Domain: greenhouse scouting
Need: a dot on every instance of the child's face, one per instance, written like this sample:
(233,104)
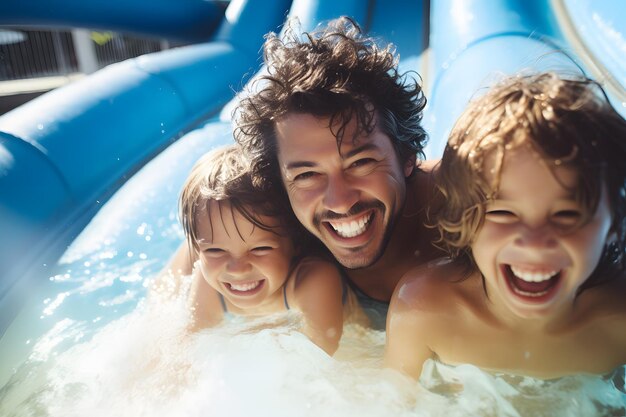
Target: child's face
(245,263)
(532,260)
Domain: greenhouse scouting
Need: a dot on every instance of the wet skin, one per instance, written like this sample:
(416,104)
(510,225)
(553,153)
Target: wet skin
(348,197)
(532,257)
(246,264)
(533,254)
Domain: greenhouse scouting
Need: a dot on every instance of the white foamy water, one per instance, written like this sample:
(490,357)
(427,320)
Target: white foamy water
(145,364)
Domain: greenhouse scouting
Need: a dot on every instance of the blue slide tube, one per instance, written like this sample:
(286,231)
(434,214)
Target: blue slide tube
(185,20)
(475,42)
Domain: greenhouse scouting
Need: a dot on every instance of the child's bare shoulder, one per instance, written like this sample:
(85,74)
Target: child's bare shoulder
(433,286)
(311,268)
(315,272)
(606,302)
(601,311)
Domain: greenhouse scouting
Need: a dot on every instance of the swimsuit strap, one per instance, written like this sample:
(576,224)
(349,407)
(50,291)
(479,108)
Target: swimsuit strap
(344,289)
(285,297)
(376,310)
(223,303)
(361,294)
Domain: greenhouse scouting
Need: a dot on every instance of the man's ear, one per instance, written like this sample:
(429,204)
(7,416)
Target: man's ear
(409,165)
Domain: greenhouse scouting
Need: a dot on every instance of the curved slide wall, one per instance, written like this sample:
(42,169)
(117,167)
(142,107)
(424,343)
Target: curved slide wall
(64,154)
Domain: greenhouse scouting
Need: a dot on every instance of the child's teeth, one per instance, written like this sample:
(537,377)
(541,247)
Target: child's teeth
(533,276)
(245,287)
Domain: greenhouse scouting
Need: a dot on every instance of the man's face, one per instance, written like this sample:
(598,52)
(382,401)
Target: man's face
(349,198)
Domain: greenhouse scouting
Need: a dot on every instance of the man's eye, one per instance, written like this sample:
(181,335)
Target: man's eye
(304,176)
(362,162)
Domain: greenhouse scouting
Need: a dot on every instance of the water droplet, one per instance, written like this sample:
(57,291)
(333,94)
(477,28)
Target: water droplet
(129,254)
(142,228)
(39,126)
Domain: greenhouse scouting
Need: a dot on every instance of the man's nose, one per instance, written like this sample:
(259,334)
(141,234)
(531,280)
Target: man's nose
(238,265)
(340,195)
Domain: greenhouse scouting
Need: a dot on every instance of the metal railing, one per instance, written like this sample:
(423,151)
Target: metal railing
(28,53)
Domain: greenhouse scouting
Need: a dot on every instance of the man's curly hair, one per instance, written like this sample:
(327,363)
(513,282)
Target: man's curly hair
(333,72)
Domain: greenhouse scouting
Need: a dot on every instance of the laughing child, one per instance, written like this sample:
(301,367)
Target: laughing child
(534,181)
(249,253)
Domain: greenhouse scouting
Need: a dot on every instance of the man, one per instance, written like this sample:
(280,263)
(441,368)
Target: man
(336,128)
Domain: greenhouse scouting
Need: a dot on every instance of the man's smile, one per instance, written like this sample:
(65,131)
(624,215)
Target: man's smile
(349,228)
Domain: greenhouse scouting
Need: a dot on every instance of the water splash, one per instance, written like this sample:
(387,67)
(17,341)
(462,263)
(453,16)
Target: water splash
(145,364)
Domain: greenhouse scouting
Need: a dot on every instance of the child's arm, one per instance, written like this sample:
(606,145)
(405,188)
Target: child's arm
(204,303)
(318,293)
(182,262)
(407,348)
(168,281)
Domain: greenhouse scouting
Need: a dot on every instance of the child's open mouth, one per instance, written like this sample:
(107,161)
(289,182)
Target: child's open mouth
(531,284)
(245,288)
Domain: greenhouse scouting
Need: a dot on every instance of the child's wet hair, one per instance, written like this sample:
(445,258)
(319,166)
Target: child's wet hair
(567,121)
(223,175)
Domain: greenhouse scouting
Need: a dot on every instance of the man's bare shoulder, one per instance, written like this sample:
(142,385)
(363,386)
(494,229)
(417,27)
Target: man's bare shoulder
(429,165)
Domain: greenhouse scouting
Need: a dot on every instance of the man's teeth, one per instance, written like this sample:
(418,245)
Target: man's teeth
(533,276)
(245,287)
(352,228)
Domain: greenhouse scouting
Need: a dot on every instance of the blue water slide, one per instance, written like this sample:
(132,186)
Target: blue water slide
(186,20)
(474,42)
(64,154)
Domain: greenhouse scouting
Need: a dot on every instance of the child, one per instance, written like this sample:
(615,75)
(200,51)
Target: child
(248,261)
(533,178)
